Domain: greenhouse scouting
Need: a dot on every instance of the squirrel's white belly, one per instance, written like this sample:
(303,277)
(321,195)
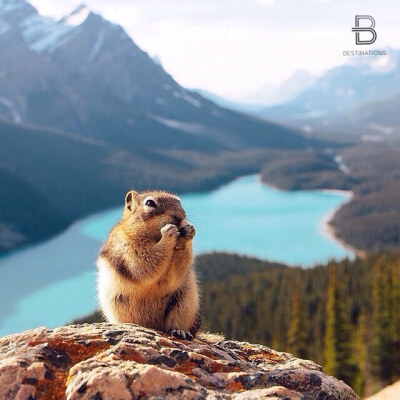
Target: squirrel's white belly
(106,288)
(111,287)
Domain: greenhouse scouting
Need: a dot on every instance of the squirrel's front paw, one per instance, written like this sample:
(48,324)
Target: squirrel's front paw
(187,231)
(170,231)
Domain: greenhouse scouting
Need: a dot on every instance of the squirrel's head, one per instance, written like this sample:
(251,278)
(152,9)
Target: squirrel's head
(155,209)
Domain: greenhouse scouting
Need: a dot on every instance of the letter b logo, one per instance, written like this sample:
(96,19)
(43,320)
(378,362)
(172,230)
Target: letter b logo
(358,30)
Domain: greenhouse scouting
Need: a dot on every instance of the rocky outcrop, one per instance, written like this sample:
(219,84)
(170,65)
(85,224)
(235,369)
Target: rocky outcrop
(121,362)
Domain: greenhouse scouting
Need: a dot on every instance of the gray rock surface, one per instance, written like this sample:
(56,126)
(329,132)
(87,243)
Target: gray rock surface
(121,362)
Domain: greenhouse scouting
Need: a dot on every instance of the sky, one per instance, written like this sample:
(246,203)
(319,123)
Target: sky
(233,47)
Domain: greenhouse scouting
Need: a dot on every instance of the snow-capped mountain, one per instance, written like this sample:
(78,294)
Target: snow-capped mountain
(44,35)
(86,114)
(84,74)
(342,89)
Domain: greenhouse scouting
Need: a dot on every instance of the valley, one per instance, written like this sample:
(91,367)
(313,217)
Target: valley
(78,134)
(81,133)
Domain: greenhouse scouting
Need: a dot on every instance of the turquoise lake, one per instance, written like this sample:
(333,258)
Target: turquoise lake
(53,282)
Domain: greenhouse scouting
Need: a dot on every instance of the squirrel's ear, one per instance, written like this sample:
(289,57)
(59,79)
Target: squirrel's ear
(129,199)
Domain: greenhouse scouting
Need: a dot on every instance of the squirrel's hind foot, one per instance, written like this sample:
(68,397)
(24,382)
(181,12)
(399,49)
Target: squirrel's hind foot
(181,334)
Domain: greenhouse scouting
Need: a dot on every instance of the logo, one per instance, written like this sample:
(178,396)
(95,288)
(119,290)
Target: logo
(366,31)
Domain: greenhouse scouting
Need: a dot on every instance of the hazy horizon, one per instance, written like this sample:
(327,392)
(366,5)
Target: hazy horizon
(235,47)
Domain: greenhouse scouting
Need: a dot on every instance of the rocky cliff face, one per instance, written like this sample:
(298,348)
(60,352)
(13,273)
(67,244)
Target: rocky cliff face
(118,362)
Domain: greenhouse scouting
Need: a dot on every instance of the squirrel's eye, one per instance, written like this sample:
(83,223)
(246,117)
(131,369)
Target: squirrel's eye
(151,203)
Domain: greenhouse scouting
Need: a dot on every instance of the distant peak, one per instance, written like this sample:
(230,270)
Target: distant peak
(82,8)
(7,6)
(156,59)
(77,16)
(12,3)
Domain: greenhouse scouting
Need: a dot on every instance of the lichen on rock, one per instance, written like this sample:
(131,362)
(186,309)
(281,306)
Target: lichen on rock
(126,361)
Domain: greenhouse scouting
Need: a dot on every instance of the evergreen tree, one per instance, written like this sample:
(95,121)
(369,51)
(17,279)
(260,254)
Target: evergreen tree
(382,344)
(337,344)
(296,342)
(361,352)
(395,315)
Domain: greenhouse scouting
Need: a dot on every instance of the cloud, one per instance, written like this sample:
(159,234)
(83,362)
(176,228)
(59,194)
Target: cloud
(264,2)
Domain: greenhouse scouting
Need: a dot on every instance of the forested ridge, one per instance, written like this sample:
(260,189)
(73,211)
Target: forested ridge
(371,171)
(343,315)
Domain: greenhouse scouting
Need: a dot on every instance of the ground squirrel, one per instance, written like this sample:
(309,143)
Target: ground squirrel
(145,267)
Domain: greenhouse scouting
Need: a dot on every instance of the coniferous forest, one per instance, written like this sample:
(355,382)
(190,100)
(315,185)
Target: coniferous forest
(344,315)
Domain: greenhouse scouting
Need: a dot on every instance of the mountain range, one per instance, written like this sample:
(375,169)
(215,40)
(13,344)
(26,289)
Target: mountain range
(86,114)
(254,102)
(84,74)
(270,94)
(359,97)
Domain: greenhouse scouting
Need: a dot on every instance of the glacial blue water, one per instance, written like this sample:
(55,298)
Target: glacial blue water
(53,282)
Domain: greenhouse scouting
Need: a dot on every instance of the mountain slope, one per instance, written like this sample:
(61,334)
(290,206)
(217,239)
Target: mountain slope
(25,214)
(232,105)
(375,121)
(342,89)
(49,178)
(87,76)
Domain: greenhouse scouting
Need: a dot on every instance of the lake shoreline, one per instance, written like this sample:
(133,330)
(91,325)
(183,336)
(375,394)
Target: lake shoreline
(326,228)
(210,185)
(329,230)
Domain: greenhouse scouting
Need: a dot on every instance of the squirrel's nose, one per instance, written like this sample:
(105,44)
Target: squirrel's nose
(177,220)
(179,217)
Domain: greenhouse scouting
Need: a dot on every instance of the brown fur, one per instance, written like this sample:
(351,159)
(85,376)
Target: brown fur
(146,273)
